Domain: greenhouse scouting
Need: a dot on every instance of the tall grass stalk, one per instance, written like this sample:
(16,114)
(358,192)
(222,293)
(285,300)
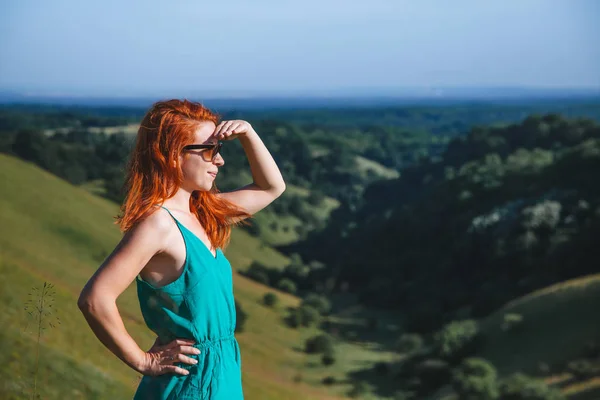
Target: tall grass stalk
(39,307)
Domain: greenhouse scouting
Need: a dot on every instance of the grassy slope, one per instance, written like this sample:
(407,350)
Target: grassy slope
(558,322)
(55,232)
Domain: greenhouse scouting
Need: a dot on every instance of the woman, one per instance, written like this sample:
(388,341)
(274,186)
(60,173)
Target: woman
(176,224)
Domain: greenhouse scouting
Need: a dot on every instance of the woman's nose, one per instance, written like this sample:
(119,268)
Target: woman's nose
(219,160)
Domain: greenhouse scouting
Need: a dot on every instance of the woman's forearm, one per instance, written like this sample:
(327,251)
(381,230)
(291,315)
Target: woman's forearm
(105,320)
(265,172)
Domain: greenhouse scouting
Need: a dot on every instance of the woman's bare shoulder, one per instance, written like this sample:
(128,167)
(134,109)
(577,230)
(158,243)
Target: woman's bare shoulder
(156,222)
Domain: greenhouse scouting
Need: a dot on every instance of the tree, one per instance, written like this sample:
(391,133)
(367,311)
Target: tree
(319,302)
(409,343)
(319,344)
(286,285)
(457,340)
(270,299)
(475,379)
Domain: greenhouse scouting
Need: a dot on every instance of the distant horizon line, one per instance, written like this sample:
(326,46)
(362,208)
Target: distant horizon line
(345,92)
(346,98)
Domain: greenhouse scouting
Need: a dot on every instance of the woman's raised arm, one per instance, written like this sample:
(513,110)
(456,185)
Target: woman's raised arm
(268,182)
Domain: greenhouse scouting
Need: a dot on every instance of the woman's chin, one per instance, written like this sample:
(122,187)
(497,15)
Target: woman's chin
(206,187)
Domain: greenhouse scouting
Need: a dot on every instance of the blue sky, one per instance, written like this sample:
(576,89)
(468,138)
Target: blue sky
(137,48)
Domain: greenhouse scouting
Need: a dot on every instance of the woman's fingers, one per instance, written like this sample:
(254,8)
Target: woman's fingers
(233,127)
(228,128)
(223,126)
(180,342)
(188,350)
(176,369)
(184,359)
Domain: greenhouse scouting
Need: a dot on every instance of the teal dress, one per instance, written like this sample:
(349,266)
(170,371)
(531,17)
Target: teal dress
(198,305)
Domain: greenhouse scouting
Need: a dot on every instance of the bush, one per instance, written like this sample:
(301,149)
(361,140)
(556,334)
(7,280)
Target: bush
(294,319)
(328,358)
(382,368)
(409,343)
(522,387)
(308,315)
(358,389)
(511,322)
(476,379)
(241,317)
(286,285)
(328,380)
(457,340)
(253,228)
(258,272)
(319,344)
(320,303)
(270,299)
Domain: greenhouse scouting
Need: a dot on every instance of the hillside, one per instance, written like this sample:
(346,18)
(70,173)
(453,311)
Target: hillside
(55,232)
(559,321)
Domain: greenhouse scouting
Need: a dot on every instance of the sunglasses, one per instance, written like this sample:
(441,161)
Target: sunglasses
(216,148)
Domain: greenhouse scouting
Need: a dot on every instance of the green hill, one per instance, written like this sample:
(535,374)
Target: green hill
(58,233)
(558,323)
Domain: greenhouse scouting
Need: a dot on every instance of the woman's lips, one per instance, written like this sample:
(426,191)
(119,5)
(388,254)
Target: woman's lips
(213,174)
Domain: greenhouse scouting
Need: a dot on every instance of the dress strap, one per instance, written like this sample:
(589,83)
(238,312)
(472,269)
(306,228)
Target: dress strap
(169,213)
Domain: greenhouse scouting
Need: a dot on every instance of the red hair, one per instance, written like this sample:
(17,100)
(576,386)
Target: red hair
(153,173)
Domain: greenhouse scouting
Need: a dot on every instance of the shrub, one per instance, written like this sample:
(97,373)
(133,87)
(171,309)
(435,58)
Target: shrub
(320,303)
(241,317)
(258,272)
(457,340)
(476,379)
(359,388)
(286,285)
(522,387)
(270,299)
(253,229)
(409,343)
(328,380)
(511,322)
(328,358)
(319,344)
(308,315)
(296,272)
(294,319)
(382,368)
